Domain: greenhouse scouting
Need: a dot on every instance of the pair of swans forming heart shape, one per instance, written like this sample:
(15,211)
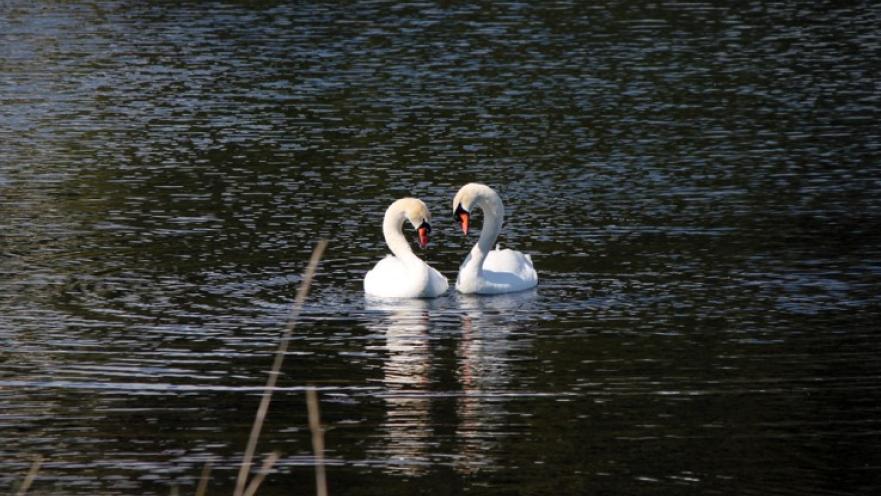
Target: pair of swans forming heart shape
(484,271)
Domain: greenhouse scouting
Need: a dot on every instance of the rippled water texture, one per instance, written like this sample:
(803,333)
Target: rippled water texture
(697,185)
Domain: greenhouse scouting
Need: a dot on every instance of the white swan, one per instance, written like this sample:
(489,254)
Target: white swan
(488,271)
(404,275)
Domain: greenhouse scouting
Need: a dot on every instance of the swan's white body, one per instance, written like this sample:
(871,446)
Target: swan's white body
(486,270)
(403,275)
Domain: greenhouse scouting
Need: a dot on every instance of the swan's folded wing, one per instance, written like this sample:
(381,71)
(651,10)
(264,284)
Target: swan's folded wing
(391,278)
(384,277)
(438,284)
(507,270)
(512,261)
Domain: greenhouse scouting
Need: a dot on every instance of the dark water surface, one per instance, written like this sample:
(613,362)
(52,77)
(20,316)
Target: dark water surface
(698,186)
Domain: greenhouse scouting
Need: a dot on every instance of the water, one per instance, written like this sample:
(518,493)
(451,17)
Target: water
(696,184)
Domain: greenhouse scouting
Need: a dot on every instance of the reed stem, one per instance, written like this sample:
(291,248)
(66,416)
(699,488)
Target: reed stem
(317,441)
(260,417)
(203,480)
(261,474)
(31,475)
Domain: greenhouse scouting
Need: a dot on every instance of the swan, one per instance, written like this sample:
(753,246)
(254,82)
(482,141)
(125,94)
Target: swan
(488,271)
(404,275)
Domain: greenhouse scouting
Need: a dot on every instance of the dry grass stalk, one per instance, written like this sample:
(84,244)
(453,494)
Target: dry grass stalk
(203,480)
(29,478)
(302,292)
(317,441)
(264,470)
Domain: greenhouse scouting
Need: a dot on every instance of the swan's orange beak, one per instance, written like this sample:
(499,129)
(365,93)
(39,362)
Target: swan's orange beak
(463,218)
(423,231)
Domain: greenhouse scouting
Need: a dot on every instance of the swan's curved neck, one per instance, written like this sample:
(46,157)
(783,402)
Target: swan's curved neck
(392,230)
(493,216)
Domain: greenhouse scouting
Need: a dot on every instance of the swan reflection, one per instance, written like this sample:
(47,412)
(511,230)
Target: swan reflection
(484,373)
(482,329)
(406,432)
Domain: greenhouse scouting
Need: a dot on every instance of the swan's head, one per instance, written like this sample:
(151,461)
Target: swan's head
(418,215)
(464,202)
